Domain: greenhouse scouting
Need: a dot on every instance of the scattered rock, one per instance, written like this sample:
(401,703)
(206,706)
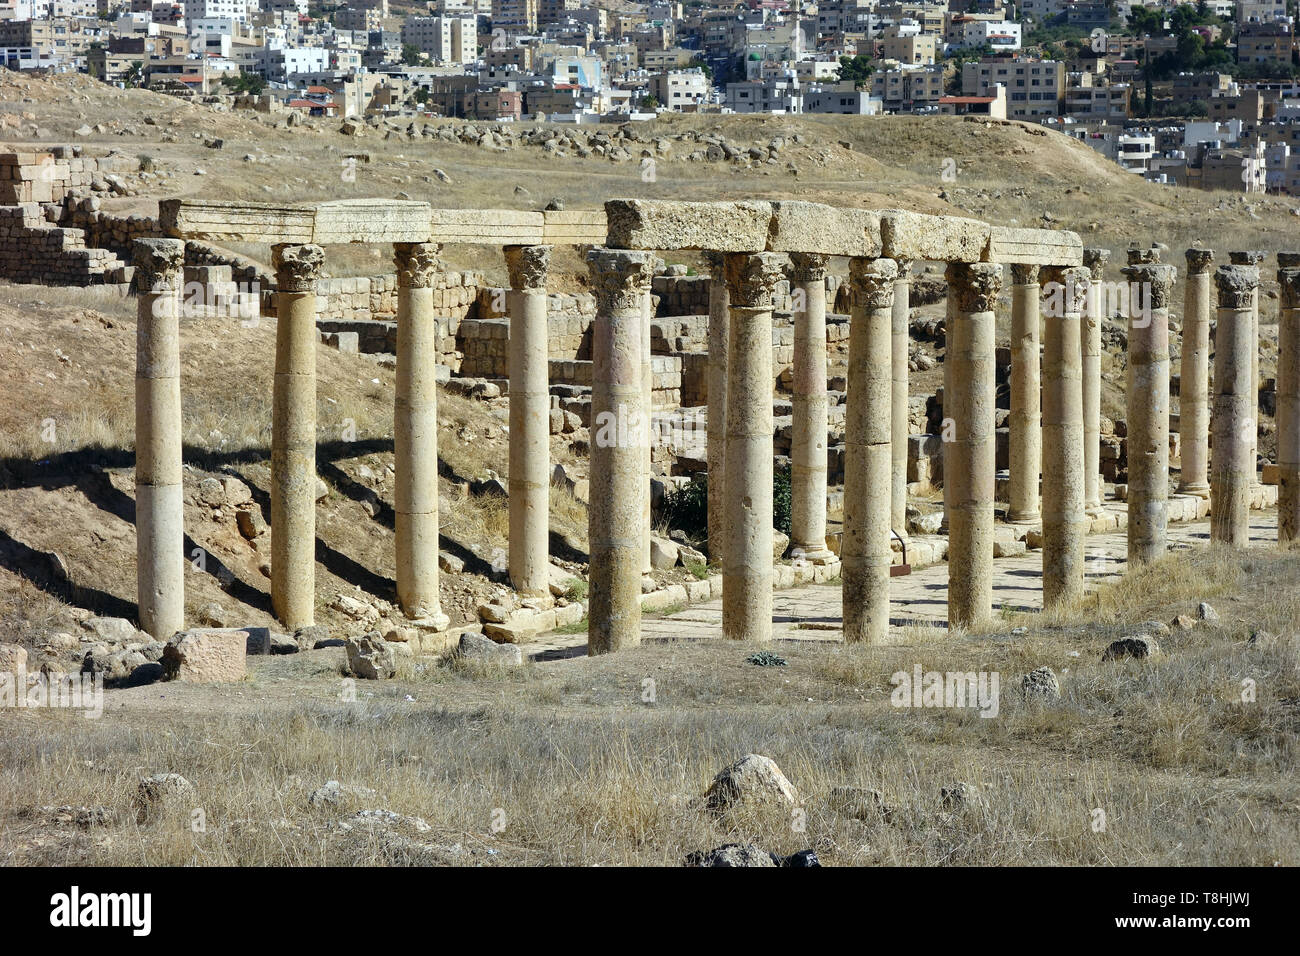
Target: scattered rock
(163,795)
(733,854)
(334,793)
(1040,684)
(663,554)
(477,647)
(206,655)
(1143,645)
(754,779)
(1183,622)
(1206,613)
(860,803)
(371,657)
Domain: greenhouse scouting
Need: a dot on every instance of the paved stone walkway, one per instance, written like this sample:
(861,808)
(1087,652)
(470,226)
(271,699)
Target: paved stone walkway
(812,612)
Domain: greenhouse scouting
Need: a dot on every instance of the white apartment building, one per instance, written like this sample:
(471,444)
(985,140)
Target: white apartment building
(237,10)
(446,40)
(680,89)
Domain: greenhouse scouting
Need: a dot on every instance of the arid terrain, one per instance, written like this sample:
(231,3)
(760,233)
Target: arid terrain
(565,760)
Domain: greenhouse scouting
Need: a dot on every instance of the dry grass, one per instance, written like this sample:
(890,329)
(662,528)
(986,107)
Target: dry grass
(564,763)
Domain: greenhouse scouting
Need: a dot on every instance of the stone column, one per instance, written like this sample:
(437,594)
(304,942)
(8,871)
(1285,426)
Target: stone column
(972,452)
(809,418)
(415,434)
(1252,258)
(620,281)
(1194,377)
(1026,426)
(1288,398)
(868,456)
(1095,261)
(1232,466)
(293,435)
(647,402)
(1064,523)
(747,564)
(950,310)
(900,348)
(1148,411)
(530,410)
(159,508)
(716,453)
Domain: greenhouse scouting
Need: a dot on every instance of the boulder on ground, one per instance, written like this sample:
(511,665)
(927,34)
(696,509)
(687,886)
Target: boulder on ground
(163,795)
(206,655)
(477,647)
(1040,684)
(371,657)
(1141,645)
(754,779)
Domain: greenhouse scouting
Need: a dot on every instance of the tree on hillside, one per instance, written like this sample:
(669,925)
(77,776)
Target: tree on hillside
(856,68)
(411,55)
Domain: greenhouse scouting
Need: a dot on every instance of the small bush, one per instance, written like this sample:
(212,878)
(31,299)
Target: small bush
(146,163)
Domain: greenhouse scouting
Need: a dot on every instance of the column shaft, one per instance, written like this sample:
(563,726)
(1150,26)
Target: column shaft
(716,436)
(1233,422)
(620,281)
(647,402)
(1194,378)
(1025,421)
(415,434)
(972,450)
(1094,260)
(1288,399)
(868,459)
(900,346)
(809,412)
(530,408)
(1064,522)
(159,508)
(293,436)
(1148,411)
(747,564)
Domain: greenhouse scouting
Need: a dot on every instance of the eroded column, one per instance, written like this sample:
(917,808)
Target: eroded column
(1288,398)
(716,435)
(530,409)
(415,434)
(1148,410)
(868,458)
(1024,444)
(1253,258)
(1232,466)
(1095,261)
(900,348)
(809,412)
(1194,377)
(972,452)
(620,281)
(647,402)
(293,435)
(1064,521)
(159,507)
(747,564)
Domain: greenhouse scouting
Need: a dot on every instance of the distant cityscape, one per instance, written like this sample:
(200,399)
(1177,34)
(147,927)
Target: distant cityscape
(1201,94)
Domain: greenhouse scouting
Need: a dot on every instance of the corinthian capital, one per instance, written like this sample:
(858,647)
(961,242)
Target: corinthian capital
(297,267)
(528,266)
(1237,286)
(752,278)
(872,282)
(417,264)
(1198,260)
(158,264)
(975,284)
(808,266)
(619,280)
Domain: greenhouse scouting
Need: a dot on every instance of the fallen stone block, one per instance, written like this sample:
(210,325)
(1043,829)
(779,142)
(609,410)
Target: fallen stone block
(206,655)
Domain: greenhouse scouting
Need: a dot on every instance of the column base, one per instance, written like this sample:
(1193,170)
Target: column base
(1023,517)
(1095,510)
(429,620)
(1197,490)
(810,555)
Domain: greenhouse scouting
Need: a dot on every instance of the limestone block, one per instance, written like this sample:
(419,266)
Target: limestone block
(504,227)
(565,227)
(912,236)
(371,220)
(665,225)
(206,655)
(271,223)
(1046,247)
(829,230)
